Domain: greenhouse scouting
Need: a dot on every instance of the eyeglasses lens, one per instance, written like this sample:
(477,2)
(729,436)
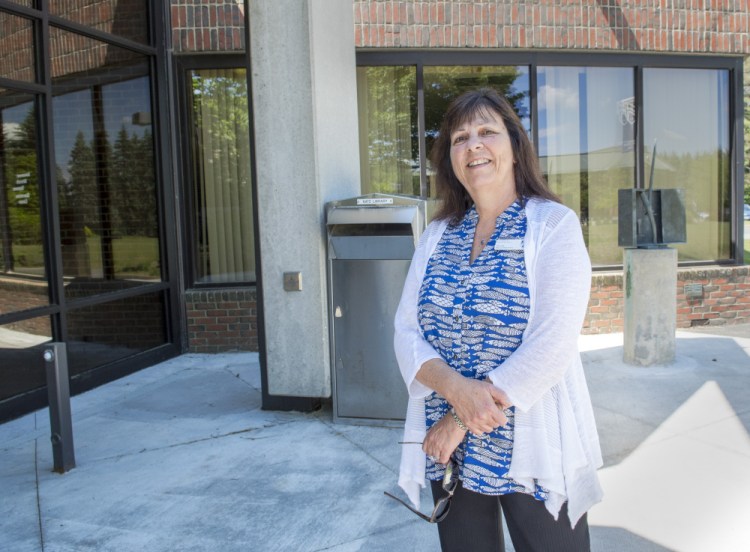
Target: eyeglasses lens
(450,482)
(442,508)
(443,505)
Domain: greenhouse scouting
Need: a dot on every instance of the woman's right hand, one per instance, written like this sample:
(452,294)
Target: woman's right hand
(479,405)
(442,439)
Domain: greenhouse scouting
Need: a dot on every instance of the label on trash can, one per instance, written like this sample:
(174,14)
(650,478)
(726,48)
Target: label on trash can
(374,201)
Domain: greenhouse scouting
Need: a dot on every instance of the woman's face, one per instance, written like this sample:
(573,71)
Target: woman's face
(482,155)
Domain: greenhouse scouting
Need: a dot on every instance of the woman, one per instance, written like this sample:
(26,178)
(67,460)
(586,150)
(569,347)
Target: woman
(486,340)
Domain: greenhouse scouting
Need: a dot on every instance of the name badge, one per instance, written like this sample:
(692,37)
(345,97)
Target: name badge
(509,245)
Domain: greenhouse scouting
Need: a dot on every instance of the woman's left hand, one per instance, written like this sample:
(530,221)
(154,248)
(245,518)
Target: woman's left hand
(442,439)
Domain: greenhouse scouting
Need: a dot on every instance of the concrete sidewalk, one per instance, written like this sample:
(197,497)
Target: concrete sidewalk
(180,457)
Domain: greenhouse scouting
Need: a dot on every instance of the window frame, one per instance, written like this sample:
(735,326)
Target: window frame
(60,307)
(43,93)
(533,59)
(182,64)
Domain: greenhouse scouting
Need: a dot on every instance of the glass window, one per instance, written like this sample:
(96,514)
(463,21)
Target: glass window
(586,146)
(388,122)
(123,18)
(586,139)
(686,116)
(111,331)
(388,130)
(21,361)
(23,284)
(105,170)
(222,192)
(443,84)
(17,48)
(98,203)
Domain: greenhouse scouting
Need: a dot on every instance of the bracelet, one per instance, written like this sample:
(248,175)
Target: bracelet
(459,423)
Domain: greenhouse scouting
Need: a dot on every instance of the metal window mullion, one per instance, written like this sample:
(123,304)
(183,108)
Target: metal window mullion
(127,293)
(49,192)
(568,58)
(102,36)
(424,188)
(737,152)
(639,128)
(166,169)
(252,173)
(534,105)
(28,314)
(18,9)
(19,86)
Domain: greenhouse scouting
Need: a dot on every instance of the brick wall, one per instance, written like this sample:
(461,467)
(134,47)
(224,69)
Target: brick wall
(706,26)
(725,297)
(724,300)
(222,320)
(226,320)
(605,304)
(208,26)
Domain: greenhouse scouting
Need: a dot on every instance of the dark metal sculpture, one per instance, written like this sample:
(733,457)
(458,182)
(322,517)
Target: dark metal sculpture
(649,218)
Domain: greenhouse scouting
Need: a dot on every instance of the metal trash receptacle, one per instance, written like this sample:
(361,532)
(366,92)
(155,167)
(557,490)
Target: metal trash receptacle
(371,240)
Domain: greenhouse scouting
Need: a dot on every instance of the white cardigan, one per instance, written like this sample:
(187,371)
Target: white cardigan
(555,441)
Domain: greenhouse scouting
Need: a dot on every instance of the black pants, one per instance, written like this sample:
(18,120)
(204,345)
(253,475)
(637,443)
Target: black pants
(474,523)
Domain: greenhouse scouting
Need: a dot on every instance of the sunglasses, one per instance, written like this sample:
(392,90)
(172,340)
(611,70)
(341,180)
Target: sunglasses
(443,505)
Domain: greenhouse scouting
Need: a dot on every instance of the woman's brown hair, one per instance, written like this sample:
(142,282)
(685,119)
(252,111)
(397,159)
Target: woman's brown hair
(528,176)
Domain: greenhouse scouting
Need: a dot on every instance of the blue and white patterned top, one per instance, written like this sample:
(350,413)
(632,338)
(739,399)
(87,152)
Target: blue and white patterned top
(474,315)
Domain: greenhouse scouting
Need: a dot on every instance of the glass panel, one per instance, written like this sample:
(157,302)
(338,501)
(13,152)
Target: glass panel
(686,115)
(124,18)
(105,170)
(21,361)
(586,147)
(107,332)
(75,56)
(17,49)
(23,284)
(389,148)
(746,207)
(443,84)
(222,187)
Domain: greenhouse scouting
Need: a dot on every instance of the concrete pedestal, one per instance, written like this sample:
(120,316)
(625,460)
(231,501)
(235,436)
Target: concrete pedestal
(650,283)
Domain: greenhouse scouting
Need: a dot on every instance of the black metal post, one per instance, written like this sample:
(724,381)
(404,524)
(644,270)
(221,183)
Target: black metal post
(58,390)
